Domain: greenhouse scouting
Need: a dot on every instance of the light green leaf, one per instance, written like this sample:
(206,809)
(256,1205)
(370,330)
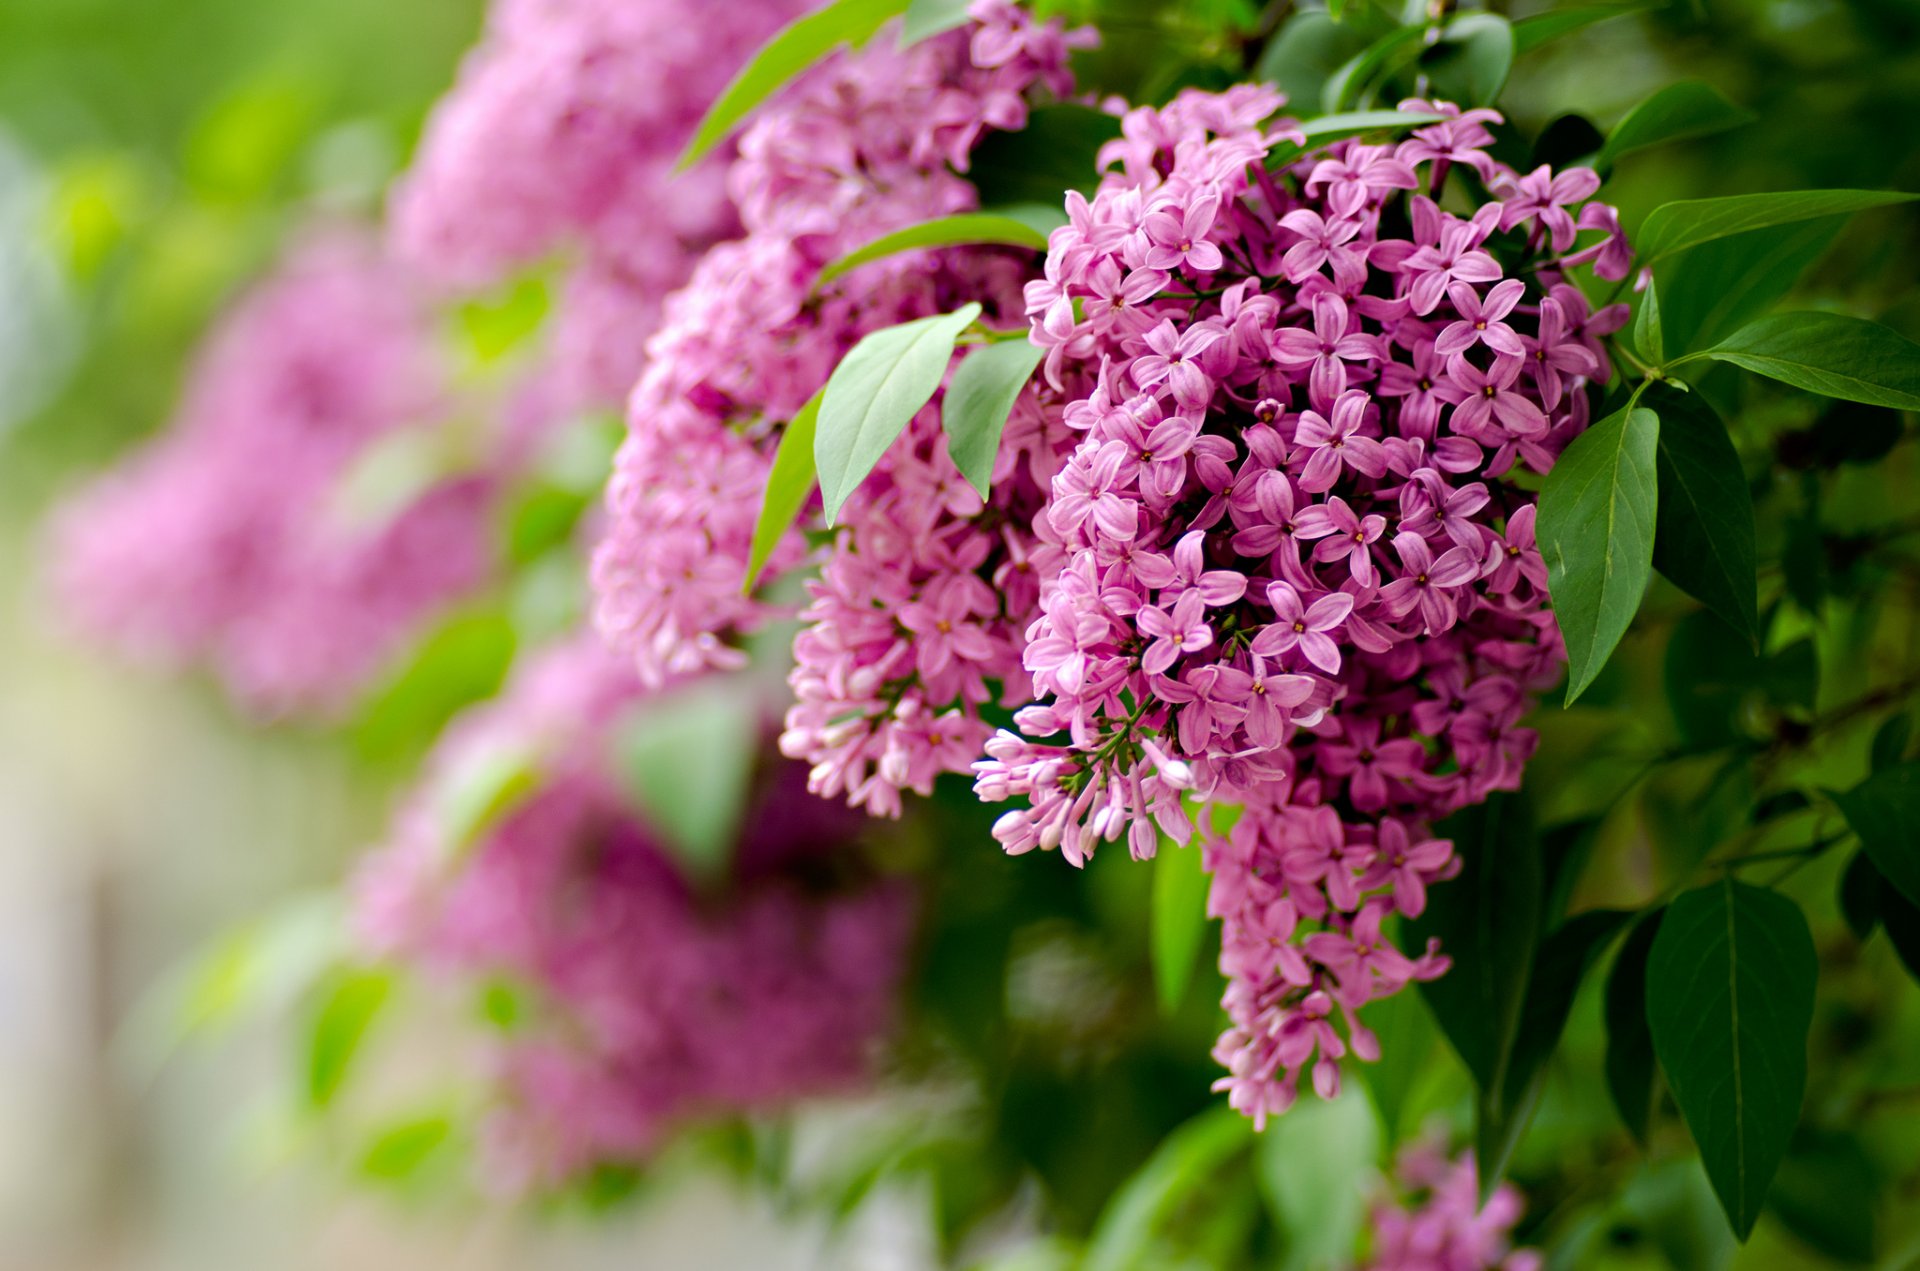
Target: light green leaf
(1678,111)
(946,231)
(1730,984)
(1647,337)
(1531,32)
(1306,50)
(1828,353)
(1884,810)
(482,786)
(1703,538)
(1328,129)
(793,49)
(1347,85)
(1674,227)
(928,18)
(345,1015)
(688,760)
(1186,1162)
(1472,59)
(399,1151)
(979,399)
(879,386)
(1179,921)
(789,482)
(1318,1167)
(1041,218)
(1596,528)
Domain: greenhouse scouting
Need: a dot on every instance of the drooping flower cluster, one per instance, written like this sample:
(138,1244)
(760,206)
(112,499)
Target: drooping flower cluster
(1436,1221)
(311,508)
(562,133)
(653,1001)
(1296,564)
(905,619)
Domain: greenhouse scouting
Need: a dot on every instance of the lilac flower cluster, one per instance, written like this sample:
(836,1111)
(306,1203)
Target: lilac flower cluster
(562,133)
(1436,1222)
(228,540)
(1294,567)
(652,1002)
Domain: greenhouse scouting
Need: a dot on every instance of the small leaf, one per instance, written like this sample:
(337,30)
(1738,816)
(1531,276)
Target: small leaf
(688,759)
(1328,129)
(1884,810)
(789,482)
(1647,337)
(1729,1003)
(1678,111)
(346,1012)
(399,1151)
(1056,152)
(1703,539)
(966,229)
(1861,888)
(1831,354)
(1472,59)
(1596,526)
(1631,1074)
(1890,742)
(1317,1166)
(1179,921)
(928,18)
(1531,32)
(979,399)
(879,386)
(793,49)
(1712,290)
(1674,227)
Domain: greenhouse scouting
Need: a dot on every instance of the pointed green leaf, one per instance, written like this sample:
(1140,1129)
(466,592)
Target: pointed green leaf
(1346,86)
(1179,921)
(347,1011)
(1647,337)
(1703,539)
(1631,1074)
(1470,62)
(789,482)
(1890,741)
(979,399)
(793,49)
(687,757)
(880,385)
(1831,354)
(1729,1002)
(1678,111)
(1531,32)
(928,18)
(1595,530)
(968,228)
(1901,918)
(1308,48)
(1328,129)
(1712,290)
(1884,810)
(1674,227)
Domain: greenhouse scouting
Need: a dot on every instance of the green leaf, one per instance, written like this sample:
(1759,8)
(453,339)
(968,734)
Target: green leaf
(793,49)
(1529,33)
(1884,810)
(688,760)
(1826,1194)
(1901,918)
(1674,227)
(1678,111)
(483,785)
(879,386)
(1831,354)
(1317,1166)
(1346,85)
(1407,1036)
(979,399)
(1711,290)
(345,1014)
(1596,526)
(1472,59)
(1860,891)
(1057,151)
(1647,337)
(1185,1163)
(1179,921)
(1890,742)
(789,482)
(1308,48)
(1041,218)
(1630,1070)
(1703,539)
(1488,921)
(1729,1002)
(928,18)
(399,1151)
(1328,129)
(968,228)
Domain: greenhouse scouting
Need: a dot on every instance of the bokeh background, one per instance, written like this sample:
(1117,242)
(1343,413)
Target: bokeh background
(153,156)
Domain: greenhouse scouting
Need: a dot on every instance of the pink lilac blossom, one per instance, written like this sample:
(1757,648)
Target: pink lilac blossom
(655,1002)
(562,133)
(1290,566)
(225,540)
(920,603)
(1435,1221)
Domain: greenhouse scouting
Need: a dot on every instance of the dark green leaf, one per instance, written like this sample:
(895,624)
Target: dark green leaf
(1470,62)
(978,400)
(1901,918)
(345,1014)
(1317,1165)
(1054,153)
(1674,227)
(1346,86)
(1566,141)
(1710,291)
(1791,675)
(1860,890)
(1595,529)
(1826,1194)
(1711,673)
(1179,921)
(789,482)
(880,385)
(793,49)
(1631,1073)
(1407,1036)
(928,18)
(1488,921)
(688,758)
(1890,741)
(1531,32)
(1803,563)
(1884,810)
(1328,129)
(1647,337)
(1686,109)
(1703,538)
(965,229)
(1831,354)
(1729,1002)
